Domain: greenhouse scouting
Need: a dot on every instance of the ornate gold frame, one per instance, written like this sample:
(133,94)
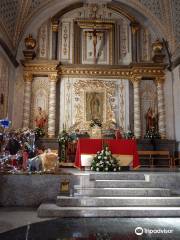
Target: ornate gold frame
(100,25)
(81,87)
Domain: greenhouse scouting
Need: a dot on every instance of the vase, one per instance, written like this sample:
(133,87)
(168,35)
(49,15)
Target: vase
(30,42)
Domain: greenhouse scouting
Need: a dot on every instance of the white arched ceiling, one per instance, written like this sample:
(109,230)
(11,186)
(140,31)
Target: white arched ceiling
(21,17)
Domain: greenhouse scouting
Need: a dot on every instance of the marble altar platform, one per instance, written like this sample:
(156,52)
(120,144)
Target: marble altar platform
(140,193)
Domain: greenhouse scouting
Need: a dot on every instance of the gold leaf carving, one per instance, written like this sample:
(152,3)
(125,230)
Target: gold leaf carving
(81,87)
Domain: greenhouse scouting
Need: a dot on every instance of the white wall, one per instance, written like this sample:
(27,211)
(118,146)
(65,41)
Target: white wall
(9,70)
(169,105)
(18,98)
(176,73)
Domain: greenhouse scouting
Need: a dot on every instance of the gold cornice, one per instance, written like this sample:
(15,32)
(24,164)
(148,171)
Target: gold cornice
(113,71)
(95,23)
(142,70)
(94,72)
(40,67)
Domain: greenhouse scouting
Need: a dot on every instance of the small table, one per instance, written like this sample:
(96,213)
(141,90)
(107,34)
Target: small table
(119,146)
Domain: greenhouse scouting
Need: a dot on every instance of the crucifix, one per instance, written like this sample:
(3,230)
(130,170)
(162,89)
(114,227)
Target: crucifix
(94,39)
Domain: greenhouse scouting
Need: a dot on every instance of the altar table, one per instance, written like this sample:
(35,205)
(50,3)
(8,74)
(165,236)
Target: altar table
(119,146)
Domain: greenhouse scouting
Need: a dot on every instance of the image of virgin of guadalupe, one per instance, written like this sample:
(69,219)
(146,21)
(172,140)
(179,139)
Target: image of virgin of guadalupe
(94,106)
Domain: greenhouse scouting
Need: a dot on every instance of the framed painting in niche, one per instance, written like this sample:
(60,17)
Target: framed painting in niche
(94,105)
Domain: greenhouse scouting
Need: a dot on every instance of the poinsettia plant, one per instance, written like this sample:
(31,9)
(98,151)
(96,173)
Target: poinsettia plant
(105,162)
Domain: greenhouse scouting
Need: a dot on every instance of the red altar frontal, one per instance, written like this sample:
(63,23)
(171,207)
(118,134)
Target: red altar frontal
(120,146)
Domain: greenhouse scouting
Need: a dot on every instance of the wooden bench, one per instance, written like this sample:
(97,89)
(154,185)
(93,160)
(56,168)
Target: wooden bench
(153,156)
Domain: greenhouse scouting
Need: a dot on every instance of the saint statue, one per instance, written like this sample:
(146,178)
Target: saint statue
(151,119)
(40,118)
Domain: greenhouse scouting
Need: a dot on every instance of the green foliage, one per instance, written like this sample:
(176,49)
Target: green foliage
(129,135)
(152,133)
(39,132)
(64,138)
(105,162)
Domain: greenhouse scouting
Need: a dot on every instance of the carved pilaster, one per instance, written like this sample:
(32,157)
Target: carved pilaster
(27,99)
(52,104)
(135,27)
(161,108)
(55,29)
(137,122)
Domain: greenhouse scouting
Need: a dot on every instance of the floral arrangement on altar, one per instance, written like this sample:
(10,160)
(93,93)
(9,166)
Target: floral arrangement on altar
(95,122)
(39,132)
(63,140)
(129,135)
(152,133)
(64,137)
(105,162)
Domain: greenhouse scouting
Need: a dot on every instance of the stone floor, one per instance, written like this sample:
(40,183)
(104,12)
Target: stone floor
(14,217)
(23,224)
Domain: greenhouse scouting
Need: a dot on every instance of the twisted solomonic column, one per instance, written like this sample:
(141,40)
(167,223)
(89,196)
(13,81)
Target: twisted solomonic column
(52,105)
(161,109)
(137,122)
(27,99)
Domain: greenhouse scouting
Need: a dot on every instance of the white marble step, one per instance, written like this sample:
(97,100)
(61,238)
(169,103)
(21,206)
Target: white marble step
(117,176)
(52,210)
(122,183)
(121,191)
(65,201)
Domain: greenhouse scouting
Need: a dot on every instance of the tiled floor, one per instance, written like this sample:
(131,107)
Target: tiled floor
(83,228)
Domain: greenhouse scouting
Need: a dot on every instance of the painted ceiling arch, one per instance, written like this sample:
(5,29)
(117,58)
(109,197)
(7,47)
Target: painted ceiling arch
(17,17)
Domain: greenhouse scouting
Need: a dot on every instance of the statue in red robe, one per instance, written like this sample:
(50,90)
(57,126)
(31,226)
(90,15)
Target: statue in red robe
(41,118)
(150,119)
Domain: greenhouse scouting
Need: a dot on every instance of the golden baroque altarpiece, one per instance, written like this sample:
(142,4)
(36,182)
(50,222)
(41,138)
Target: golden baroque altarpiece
(94,58)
